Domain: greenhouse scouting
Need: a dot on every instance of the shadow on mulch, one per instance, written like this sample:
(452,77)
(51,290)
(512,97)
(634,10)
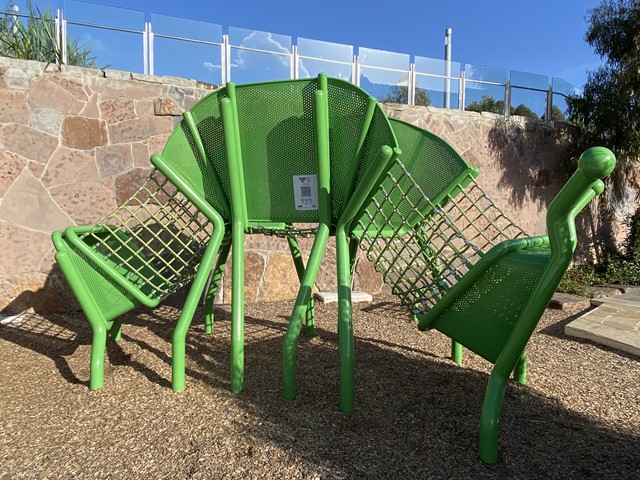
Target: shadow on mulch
(416,413)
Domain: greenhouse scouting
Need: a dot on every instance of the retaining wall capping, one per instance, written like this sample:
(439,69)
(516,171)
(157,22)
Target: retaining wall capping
(75,142)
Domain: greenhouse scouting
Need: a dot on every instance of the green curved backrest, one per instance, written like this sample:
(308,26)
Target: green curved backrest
(195,151)
(276,130)
(277,145)
(434,166)
(358,129)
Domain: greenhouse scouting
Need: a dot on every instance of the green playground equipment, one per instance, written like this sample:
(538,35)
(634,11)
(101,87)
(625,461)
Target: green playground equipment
(318,157)
(253,159)
(163,237)
(461,266)
(298,153)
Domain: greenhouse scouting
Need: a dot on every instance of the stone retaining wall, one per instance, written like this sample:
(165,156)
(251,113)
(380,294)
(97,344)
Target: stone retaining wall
(74,141)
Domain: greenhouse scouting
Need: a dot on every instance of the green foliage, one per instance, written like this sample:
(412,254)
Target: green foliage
(35,39)
(556,114)
(525,111)
(488,104)
(400,94)
(609,109)
(621,268)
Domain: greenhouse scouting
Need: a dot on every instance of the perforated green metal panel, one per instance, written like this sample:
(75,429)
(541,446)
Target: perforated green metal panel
(207,116)
(110,298)
(432,162)
(483,317)
(277,142)
(347,109)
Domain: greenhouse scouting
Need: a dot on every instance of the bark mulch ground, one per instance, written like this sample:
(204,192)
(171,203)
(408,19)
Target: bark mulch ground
(416,413)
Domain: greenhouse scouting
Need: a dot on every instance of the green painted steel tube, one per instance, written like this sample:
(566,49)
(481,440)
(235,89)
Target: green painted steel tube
(456,352)
(215,181)
(321,129)
(594,164)
(237,174)
(355,165)
(96,318)
(345,320)
(520,372)
(239,216)
(298,262)
(214,285)
(178,348)
(343,265)
(297,317)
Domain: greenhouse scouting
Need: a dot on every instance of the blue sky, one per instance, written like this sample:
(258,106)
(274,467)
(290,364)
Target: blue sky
(542,37)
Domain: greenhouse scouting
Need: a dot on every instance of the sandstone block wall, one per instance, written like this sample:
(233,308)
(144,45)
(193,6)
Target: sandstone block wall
(73,142)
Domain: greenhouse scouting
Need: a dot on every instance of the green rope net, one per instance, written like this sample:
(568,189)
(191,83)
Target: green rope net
(421,247)
(155,240)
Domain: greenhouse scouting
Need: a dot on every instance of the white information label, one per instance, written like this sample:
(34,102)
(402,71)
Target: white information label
(305,190)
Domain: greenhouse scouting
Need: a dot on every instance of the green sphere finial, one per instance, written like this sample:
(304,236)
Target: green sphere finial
(597,162)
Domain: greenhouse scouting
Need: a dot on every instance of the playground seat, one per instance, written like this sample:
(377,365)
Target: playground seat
(160,239)
(461,266)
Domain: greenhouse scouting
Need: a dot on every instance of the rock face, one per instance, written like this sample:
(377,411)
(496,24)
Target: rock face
(75,143)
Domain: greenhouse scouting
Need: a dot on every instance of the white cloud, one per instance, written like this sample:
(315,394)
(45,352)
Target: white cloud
(211,66)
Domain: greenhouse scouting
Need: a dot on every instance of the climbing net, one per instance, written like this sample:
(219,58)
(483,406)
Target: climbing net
(424,246)
(155,239)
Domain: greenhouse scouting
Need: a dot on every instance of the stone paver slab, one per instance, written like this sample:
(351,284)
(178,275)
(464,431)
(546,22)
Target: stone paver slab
(602,326)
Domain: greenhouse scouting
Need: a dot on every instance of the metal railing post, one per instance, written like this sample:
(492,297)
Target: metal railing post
(548,111)
(295,68)
(507,98)
(447,67)
(147,48)
(461,91)
(225,60)
(61,35)
(411,85)
(356,71)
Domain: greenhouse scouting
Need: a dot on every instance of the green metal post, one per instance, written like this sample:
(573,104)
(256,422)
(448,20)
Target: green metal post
(456,352)
(214,285)
(343,265)
(520,372)
(299,264)
(321,129)
(184,321)
(238,207)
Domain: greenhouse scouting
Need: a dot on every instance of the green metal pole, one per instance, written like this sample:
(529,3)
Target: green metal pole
(239,215)
(216,278)
(321,136)
(295,323)
(298,262)
(345,321)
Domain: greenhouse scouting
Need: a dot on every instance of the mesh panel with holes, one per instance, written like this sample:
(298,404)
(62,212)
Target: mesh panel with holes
(155,240)
(481,319)
(278,143)
(347,107)
(208,119)
(422,249)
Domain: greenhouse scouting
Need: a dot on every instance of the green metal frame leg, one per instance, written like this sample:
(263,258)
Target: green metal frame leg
(178,347)
(345,325)
(299,310)
(296,254)
(115,331)
(490,417)
(520,372)
(456,352)
(237,309)
(214,285)
(98,349)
